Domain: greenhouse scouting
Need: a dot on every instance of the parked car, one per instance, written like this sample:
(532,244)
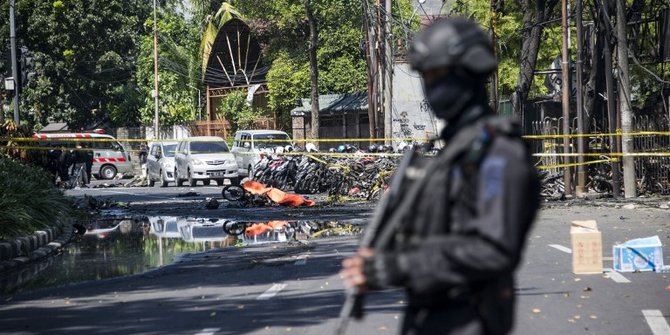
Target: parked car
(204,158)
(248,145)
(109,156)
(160,163)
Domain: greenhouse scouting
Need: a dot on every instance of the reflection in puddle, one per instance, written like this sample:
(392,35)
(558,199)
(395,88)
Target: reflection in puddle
(115,247)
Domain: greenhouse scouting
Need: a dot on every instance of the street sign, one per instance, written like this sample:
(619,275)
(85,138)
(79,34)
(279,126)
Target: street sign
(9,83)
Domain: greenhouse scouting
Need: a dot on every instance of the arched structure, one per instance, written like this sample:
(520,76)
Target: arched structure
(232,61)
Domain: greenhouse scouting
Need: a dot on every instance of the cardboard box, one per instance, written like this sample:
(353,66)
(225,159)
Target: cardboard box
(642,254)
(587,247)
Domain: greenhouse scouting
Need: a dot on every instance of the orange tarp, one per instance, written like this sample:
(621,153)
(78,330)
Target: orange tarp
(276,195)
(257,229)
(260,228)
(255,187)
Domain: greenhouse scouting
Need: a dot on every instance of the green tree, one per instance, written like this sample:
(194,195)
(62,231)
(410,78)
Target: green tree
(282,28)
(179,72)
(235,109)
(523,37)
(84,56)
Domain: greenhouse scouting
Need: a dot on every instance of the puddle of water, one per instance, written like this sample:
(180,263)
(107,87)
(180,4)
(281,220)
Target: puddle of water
(115,247)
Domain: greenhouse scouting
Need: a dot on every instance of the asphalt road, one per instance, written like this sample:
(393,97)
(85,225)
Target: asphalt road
(294,288)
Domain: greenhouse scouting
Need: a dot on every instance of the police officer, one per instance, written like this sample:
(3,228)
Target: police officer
(459,223)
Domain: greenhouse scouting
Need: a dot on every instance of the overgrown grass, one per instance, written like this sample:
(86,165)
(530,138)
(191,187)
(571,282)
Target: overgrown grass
(29,201)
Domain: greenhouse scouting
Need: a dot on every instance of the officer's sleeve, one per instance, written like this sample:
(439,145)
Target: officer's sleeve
(484,247)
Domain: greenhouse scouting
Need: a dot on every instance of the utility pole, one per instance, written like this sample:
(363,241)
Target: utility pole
(379,91)
(155,93)
(565,71)
(15,68)
(581,174)
(493,101)
(609,87)
(388,76)
(371,67)
(629,181)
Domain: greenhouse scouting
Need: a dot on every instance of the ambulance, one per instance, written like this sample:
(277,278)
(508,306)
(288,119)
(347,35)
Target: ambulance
(109,156)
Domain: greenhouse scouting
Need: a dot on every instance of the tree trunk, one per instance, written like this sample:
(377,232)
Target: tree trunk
(626,117)
(314,71)
(533,17)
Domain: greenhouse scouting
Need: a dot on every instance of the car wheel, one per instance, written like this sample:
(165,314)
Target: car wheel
(177,180)
(206,182)
(191,182)
(164,182)
(150,183)
(219,182)
(108,172)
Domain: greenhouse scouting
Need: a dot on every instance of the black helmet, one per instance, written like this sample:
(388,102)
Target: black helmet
(452,42)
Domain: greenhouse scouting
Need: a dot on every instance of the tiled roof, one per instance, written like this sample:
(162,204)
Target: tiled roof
(334,103)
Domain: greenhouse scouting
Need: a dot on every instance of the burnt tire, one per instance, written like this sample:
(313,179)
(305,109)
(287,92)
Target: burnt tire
(232,192)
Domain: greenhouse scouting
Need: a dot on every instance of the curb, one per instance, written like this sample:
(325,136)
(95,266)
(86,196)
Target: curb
(25,250)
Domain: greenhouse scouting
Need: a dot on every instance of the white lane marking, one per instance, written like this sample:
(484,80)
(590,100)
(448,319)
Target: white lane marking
(271,292)
(302,260)
(561,248)
(208,331)
(617,277)
(656,321)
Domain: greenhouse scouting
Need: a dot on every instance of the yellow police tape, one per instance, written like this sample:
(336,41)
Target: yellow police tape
(92,139)
(366,154)
(558,166)
(618,132)
(293,153)
(313,155)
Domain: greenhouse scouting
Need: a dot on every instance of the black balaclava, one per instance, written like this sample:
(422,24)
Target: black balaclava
(448,95)
(453,96)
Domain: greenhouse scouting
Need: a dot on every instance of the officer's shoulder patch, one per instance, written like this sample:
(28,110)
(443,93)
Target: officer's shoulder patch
(492,174)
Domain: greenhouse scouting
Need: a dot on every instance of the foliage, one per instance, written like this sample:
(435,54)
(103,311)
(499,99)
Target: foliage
(282,29)
(235,109)
(288,79)
(178,72)
(29,200)
(84,52)
(508,26)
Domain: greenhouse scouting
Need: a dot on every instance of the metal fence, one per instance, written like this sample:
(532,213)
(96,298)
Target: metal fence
(651,142)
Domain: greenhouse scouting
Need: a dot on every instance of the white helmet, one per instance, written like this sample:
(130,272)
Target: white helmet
(310,147)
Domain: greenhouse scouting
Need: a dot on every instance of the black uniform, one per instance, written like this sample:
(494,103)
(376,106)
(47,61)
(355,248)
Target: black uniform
(83,159)
(456,252)
(457,227)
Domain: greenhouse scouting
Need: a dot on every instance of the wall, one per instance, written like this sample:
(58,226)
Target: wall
(412,117)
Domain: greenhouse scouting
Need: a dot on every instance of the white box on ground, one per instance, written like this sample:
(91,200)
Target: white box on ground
(642,254)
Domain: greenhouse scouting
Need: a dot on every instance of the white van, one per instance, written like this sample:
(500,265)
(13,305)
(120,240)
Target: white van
(109,156)
(204,158)
(248,145)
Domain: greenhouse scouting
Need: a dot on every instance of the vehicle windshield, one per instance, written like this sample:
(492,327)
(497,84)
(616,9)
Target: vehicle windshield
(208,231)
(271,140)
(208,147)
(169,150)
